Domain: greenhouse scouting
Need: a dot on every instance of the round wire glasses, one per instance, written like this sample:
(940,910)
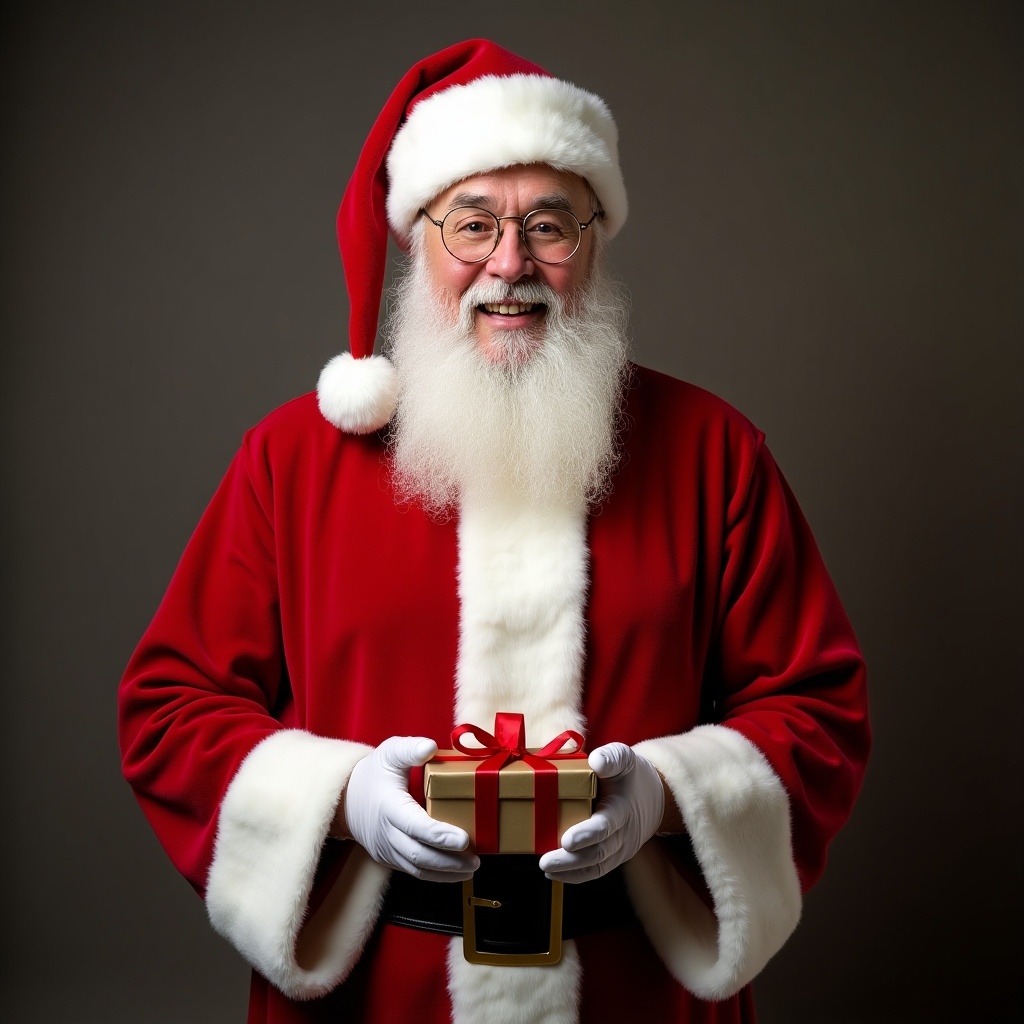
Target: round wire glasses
(550,236)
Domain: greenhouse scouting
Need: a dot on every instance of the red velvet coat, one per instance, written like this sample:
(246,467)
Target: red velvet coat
(311,617)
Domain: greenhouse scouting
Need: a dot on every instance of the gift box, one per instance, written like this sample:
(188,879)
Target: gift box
(508,797)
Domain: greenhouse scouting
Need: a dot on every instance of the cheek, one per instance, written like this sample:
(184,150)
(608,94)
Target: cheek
(452,277)
(454,287)
(569,279)
(569,284)
(449,281)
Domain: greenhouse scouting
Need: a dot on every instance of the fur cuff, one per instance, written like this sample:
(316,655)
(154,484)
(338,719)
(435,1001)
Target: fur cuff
(273,822)
(737,814)
(357,396)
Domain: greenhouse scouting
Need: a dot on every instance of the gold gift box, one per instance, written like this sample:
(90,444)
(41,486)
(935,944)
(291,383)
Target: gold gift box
(450,789)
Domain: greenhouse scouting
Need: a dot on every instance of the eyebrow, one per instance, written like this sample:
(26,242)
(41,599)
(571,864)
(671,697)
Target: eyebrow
(553,201)
(468,199)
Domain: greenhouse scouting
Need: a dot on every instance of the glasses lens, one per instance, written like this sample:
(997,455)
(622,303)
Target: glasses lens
(469,234)
(551,235)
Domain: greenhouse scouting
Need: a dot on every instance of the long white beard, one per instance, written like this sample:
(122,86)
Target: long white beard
(540,428)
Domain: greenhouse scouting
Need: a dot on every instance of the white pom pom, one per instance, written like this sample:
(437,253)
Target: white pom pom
(357,395)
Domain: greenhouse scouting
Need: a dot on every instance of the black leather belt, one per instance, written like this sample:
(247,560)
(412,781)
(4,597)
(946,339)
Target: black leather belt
(512,907)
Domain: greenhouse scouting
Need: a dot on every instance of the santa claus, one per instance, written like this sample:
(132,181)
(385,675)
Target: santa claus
(498,512)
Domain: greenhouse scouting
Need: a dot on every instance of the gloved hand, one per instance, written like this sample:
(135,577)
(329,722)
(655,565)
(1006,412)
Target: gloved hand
(629,813)
(393,829)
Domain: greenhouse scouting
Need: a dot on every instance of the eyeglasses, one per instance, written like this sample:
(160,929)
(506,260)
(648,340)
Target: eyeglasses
(550,236)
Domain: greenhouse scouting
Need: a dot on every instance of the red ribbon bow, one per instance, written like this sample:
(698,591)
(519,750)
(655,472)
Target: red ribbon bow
(506,745)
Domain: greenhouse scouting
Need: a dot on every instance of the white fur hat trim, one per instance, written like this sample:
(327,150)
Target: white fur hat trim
(502,121)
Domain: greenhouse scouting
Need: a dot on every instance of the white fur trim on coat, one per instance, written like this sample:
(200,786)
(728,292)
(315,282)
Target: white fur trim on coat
(502,121)
(273,823)
(514,995)
(357,395)
(737,814)
(522,589)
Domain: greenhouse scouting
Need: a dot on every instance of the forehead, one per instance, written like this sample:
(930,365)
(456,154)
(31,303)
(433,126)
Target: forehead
(524,188)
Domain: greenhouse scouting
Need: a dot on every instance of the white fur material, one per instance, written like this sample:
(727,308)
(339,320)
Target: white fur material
(495,122)
(357,395)
(514,995)
(273,823)
(737,814)
(523,578)
(522,590)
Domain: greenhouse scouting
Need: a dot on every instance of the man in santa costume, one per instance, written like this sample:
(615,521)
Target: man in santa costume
(500,514)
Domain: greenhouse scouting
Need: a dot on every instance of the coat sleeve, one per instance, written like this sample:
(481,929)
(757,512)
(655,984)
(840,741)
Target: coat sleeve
(764,789)
(242,804)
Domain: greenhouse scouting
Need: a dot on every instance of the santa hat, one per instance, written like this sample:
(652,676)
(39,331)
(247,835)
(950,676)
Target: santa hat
(472,108)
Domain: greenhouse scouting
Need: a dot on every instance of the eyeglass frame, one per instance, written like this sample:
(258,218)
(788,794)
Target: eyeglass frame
(521,232)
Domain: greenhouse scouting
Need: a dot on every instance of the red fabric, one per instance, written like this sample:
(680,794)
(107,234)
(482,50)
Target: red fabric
(362,224)
(371,994)
(307,599)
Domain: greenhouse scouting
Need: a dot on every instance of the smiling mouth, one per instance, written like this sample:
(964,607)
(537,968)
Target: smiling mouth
(511,308)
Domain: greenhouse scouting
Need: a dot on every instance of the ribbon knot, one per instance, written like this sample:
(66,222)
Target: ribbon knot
(505,745)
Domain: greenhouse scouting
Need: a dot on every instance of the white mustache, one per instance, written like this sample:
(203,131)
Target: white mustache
(498,291)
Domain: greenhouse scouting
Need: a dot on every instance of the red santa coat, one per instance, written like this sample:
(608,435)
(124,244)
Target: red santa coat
(311,617)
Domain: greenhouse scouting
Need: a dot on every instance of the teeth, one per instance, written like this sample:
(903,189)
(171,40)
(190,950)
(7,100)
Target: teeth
(508,309)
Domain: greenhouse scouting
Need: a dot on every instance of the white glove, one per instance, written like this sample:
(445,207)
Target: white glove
(630,811)
(393,829)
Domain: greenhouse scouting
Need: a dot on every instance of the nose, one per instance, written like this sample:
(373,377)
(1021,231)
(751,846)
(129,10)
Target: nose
(511,260)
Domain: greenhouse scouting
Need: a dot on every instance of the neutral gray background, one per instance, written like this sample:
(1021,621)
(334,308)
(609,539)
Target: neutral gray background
(826,229)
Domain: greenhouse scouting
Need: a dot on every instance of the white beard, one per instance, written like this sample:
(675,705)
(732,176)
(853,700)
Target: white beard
(539,428)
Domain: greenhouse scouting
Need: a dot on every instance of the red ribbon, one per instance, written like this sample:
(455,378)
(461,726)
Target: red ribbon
(508,744)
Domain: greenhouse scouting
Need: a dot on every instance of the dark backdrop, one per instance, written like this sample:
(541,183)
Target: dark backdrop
(826,229)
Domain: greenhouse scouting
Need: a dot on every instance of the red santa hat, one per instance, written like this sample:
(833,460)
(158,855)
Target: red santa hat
(472,108)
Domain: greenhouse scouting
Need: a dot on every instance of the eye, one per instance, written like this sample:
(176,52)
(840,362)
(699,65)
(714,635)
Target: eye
(550,226)
(470,223)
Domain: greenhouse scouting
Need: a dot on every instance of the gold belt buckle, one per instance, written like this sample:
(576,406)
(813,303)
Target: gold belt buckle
(470,903)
